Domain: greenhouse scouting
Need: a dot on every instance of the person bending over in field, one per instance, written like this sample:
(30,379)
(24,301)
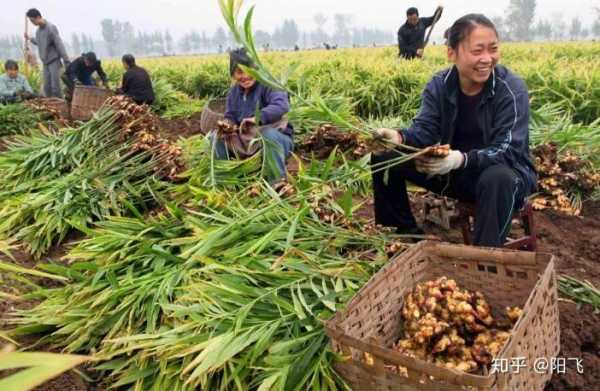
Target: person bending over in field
(81,71)
(136,82)
(481,109)
(245,100)
(14,87)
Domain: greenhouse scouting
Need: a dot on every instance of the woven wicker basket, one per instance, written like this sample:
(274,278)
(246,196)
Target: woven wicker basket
(87,100)
(371,322)
(212,112)
(60,105)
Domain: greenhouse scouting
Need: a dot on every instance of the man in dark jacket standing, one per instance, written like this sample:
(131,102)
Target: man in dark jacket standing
(51,50)
(81,71)
(136,82)
(411,35)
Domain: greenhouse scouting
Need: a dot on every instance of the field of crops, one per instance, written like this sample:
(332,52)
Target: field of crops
(179,272)
(381,86)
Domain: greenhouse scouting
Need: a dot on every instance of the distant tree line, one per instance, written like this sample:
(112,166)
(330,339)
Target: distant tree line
(289,36)
(337,30)
(519,25)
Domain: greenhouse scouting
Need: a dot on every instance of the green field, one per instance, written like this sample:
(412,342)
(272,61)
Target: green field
(215,280)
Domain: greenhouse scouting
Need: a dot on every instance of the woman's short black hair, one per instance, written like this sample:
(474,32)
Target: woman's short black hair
(33,13)
(129,60)
(463,27)
(239,57)
(412,11)
(12,65)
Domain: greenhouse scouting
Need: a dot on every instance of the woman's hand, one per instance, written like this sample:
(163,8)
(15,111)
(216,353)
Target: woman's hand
(248,123)
(440,166)
(390,135)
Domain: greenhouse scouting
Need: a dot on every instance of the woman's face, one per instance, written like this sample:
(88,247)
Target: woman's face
(243,79)
(476,55)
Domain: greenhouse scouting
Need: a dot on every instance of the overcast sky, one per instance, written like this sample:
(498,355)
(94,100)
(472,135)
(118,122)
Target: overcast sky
(181,16)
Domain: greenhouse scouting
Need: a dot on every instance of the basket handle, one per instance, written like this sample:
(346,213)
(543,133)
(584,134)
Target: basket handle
(486,254)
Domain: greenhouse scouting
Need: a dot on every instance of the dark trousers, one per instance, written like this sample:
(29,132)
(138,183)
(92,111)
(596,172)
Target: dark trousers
(497,192)
(87,80)
(407,54)
(4,100)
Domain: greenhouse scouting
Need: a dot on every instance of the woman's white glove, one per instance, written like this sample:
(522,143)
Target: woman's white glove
(390,135)
(440,166)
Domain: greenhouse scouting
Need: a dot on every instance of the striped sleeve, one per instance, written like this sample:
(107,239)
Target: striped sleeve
(510,128)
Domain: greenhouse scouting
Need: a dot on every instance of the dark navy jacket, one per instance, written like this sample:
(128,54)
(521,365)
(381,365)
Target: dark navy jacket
(503,116)
(411,38)
(78,70)
(137,85)
(272,104)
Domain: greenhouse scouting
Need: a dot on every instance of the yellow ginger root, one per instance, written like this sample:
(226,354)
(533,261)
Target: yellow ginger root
(513,313)
(451,327)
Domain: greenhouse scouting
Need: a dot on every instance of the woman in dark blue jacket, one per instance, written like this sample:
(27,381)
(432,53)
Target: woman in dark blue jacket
(481,109)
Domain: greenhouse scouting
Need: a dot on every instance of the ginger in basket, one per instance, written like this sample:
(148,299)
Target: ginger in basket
(513,313)
(451,327)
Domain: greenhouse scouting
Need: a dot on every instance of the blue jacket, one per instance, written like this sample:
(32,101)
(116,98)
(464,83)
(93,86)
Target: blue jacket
(272,104)
(9,86)
(503,115)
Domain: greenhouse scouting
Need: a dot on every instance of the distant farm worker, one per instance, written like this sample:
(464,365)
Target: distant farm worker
(411,35)
(481,109)
(136,82)
(246,98)
(81,71)
(51,51)
(14,87)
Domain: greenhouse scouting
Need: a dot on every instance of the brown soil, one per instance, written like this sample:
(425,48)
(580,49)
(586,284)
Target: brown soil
(574,240)
(174,129)
(580,338)
(68,381)
(327,138)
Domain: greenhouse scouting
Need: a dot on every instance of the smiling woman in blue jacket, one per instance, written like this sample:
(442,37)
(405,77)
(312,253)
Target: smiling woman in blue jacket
(481,109)
(245,99)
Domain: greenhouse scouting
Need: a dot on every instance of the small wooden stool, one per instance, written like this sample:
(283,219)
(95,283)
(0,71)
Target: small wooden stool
(527,242)
(439,210)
